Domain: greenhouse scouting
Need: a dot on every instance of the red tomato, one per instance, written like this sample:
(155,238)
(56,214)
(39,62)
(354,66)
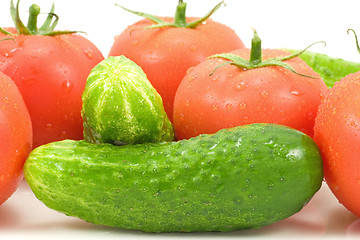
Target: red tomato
(51,73)
(166,53)
(15,135)
(235,96)
(337,133)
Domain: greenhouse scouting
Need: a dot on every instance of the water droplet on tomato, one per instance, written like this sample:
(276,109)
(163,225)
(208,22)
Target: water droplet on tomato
(310,80)
(6,99)
(89,53)
(296,93)
(135,42)
(240,86)
(67,86)
(352,123)
(63,134)
(310,116)
(11,52)
(229,75)
(334,110)
(242,106)
(189,70)
(216,78)
(49,126)
(193,77)
(182,117)
(264,94)
(229,106)
(215,106)
(7,55)
(193,48)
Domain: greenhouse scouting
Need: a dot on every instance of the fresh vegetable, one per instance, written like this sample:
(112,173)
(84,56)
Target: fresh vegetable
(330,69)
(166,47)
(226,91)
(244,177)
(15,135)
(121,106)
(337,133)
(50,69)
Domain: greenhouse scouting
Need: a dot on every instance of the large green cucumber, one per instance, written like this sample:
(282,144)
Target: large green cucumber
(120,106)
(244,177)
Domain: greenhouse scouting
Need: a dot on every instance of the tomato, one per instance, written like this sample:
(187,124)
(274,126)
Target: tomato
(213,96)
(15,135)
(166,53)
(337,133)
(50,72)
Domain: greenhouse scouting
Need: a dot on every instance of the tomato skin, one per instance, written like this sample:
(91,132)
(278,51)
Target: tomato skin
(51,73)
(166,53)
(15,135)
(233,96)
(337,133)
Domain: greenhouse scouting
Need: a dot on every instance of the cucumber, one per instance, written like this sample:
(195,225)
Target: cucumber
(120,106)
(239,178)
(330,69)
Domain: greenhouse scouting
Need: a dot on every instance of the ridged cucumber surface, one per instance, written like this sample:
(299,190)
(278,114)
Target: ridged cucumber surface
(239,178)
(120,106)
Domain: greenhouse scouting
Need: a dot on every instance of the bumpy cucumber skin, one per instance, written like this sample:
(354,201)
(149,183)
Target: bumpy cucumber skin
(240,178)
(120,106)
(330,69)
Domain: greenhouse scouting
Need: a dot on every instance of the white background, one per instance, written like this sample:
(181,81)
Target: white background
(280,24)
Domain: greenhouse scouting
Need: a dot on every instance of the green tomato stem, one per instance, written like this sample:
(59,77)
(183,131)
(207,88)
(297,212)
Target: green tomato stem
(256,50)
(19,25)
(179,18)
(47,29)
(255,60)
(180,14)
(7,39)
(34,12)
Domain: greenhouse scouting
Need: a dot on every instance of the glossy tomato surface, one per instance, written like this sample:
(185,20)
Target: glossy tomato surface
(166,53)
(51,73)
(337,133)
(15,135)
(232,96)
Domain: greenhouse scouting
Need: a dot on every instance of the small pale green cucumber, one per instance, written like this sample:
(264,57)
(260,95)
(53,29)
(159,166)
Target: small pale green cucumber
(330,69)
(244,177)
(120,106)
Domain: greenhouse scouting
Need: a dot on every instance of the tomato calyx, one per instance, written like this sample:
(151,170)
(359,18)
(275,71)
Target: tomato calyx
(256,61)
(47,29)
(179,19)
(7,39)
